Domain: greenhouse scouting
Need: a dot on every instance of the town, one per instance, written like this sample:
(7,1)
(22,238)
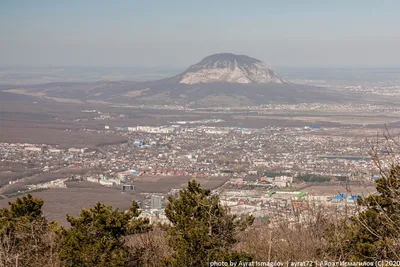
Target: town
(263,171)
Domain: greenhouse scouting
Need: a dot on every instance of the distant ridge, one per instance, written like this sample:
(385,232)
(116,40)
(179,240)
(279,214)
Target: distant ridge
(218,80)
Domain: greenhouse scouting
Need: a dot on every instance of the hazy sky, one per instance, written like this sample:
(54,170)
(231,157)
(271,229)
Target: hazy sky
(178,33)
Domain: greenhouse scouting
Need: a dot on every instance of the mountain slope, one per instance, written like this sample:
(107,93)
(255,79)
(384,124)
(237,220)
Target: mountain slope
(230,68)
(217,80)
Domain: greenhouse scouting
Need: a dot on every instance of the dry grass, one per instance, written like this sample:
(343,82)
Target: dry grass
(29,248)
(150,248)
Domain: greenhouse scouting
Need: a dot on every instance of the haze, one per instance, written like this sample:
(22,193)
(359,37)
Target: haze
(177,33)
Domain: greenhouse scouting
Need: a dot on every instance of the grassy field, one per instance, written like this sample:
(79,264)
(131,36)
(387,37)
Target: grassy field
(78,195)
(328,189)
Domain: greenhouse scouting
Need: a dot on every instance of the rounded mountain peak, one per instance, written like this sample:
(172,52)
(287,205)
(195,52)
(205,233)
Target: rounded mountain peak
(229,57)
(229,68)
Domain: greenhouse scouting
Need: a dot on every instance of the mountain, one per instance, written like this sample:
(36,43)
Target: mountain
(230,68)
(217,80)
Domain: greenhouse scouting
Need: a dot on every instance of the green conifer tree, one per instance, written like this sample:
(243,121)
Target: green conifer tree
(96,238)
(375,232)
(26,237)
(202,229)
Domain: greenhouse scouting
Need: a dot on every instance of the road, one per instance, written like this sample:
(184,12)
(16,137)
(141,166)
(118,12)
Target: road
(22,181)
